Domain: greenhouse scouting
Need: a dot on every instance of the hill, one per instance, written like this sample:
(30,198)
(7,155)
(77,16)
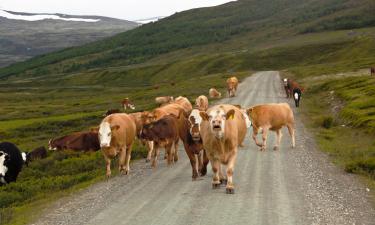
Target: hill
(25,35)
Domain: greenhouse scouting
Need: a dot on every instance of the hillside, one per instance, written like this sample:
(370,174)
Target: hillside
(241,25)
(25,35)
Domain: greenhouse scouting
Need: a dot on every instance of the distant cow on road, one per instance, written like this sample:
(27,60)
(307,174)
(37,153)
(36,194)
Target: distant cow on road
(271,117)
(232,84)
(297,93)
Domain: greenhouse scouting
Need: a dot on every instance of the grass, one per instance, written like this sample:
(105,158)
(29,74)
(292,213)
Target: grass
(347,103)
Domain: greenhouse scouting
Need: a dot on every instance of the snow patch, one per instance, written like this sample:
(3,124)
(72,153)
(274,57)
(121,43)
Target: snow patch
(37,17)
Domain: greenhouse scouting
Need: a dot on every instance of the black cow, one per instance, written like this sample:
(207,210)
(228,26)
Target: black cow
(11,162)
(297,93)
(38,153)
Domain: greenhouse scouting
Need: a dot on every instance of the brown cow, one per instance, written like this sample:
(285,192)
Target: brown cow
(271,117)
(164,133)
(190,136)
(116,134)
(232,84)
(127,104)
(286,84)
(185,103)
(201,103)
(213,93)
(80,141)
(372,70)
(137,118)
(223,129)
(292,85)
(163,100)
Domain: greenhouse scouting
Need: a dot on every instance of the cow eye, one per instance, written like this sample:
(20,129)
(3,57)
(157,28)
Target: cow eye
(109,134)
(1,154)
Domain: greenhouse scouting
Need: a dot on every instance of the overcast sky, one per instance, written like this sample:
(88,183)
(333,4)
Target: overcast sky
(123,9)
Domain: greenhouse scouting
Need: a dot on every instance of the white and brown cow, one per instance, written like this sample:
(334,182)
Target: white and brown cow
(116,134)
(271,117)
(201,103)
(127,104)
(222,130)
(213,93)
(232,84)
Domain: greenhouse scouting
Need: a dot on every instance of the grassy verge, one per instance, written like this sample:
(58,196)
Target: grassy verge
(340,112)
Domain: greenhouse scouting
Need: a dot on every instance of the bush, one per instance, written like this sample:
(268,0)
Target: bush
(362,165)
(327,122)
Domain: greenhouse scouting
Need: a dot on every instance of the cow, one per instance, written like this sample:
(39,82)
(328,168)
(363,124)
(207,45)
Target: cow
(116,135)
(232,84)
(163,100)
(11,162)
(286,84)
(185,103)
(164,133)
(222,130)
(127,104)
(137,118)
(37,153)
(297,93)
(271,117)
(213,93)
(293,85)
(111,111)
(189,134)
(372,70)
(79,141)
(201,103)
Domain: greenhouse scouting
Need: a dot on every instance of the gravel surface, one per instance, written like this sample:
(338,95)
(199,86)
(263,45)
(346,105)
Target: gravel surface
(289,186)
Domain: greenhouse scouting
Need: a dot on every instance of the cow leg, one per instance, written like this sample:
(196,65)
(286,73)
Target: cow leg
(108,166)
(176,150)
(279,135)
(215,164)
(199,157)
(155,156)
(170,152)
(150,147)
(127,158)
(230,170)
(193,162)
(122,156)
(292,134)
(264,138)
(203,170)
(255,133)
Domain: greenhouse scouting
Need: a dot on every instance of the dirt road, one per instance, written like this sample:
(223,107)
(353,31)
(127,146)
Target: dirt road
(289,186)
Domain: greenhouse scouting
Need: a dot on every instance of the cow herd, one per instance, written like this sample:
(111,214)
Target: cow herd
(209,134)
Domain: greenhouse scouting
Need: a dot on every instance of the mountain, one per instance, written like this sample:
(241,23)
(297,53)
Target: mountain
(25,35)
(242,27)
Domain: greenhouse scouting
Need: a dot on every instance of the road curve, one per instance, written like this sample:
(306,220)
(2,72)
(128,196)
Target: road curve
(289,186)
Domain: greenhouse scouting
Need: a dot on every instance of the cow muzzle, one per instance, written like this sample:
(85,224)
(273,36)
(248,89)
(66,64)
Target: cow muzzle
(104,145)
(216,125)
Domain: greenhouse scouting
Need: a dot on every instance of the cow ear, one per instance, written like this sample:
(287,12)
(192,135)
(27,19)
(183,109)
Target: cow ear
(115,127)
(230,114)
(204,115)
(238,106)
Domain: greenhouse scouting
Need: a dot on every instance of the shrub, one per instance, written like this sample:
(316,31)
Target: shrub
(327,122)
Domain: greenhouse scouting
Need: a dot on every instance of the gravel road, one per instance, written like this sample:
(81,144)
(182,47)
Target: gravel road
(289,186)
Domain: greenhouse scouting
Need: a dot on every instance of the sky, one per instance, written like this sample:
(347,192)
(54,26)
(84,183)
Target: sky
(122,9)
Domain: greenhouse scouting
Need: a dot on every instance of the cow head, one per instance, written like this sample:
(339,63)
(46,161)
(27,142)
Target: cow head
(147,132)
(148,117)
(4,158)
(195,121)
(285,81)
(51,145)
(217,119)
(105,134)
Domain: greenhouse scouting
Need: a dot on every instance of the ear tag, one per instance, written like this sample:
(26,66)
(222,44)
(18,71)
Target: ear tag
(231,117)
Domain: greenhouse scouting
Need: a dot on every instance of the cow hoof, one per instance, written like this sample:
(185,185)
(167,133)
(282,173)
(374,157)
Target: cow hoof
(216,186)
(223,181)
(276,148)
(147,160)
(229,190)
(203,172)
